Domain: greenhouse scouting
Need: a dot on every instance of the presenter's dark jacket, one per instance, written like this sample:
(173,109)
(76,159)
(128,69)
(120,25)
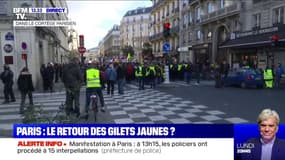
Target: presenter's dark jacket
(278,150)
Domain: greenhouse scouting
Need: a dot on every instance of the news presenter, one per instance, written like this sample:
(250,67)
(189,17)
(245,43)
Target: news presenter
(268,146)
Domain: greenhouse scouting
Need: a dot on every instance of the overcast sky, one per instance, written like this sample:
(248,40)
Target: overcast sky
(95,18)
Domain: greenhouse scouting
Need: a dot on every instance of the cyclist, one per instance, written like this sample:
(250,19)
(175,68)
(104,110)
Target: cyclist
(93,85)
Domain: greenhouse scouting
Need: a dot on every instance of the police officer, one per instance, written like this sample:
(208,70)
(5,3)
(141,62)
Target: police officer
(93,85)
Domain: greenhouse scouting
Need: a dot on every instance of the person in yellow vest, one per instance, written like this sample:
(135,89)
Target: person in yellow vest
(93,85)
(179,71)
(268,77)
(151,74)
(140,75)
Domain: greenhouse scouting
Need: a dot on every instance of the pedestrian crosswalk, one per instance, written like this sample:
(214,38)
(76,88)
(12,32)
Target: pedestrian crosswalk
(135,106)
(49,102)
(154,106)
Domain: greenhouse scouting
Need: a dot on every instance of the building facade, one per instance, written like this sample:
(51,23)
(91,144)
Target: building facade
(165,11)
(259,42)
(40,44)
(111,43)
(134,30)
(205,24)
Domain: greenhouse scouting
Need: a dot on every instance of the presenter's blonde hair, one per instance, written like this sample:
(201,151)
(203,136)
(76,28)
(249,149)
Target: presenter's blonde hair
(268,113)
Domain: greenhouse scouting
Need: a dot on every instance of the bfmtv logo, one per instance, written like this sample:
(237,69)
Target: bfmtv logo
(244,147)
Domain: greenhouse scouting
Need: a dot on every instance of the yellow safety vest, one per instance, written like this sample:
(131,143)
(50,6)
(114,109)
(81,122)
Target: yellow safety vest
(179,67)
(138,73)
(93,78)
(267,74)
(151,68)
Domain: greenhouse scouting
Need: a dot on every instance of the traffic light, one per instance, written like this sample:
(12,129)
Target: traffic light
(166,30)
(274,40)
(81,40)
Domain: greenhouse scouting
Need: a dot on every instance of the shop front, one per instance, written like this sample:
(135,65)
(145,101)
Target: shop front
(257,48)
(202,52)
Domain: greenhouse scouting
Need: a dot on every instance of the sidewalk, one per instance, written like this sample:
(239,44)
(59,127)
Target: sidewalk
(192,82)
(58,87)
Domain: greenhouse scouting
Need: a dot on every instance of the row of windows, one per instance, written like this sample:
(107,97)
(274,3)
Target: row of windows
(133,28)
(141,19)
(277,17)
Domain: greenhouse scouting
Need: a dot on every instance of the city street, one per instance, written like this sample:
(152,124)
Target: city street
(176,102)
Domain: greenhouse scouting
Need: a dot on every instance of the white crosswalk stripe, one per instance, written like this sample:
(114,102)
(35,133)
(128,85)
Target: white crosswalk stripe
(9,113)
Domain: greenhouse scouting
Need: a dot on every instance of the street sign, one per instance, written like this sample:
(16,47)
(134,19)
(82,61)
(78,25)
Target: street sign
(9,36)
(81,50)
(24,45)
(166,47)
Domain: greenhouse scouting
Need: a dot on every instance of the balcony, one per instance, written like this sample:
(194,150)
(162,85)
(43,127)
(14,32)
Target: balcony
(221,13)
(156,36)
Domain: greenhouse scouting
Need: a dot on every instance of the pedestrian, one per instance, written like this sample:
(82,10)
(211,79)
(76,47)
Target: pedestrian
(121,77)
(26,87)
(199,67)
(43,71)
(218,75)
(188,72)
(50,76)
(151,74)
(7,77)
(140,75)
(72,80)
(111,79)
(278,75)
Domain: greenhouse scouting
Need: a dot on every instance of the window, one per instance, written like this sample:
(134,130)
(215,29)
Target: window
(199,35)
(278,15)
(222,3)
(236,25)
(256,20)
(134,19)
(190,18)
(209,36)
(198,14)
(210,7)
(185,19)
(141,18)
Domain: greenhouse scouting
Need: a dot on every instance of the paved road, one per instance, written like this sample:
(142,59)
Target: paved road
(176,102)
(166,104)
(236,102)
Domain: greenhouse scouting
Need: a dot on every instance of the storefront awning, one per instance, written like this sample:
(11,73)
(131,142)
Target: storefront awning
(255,38)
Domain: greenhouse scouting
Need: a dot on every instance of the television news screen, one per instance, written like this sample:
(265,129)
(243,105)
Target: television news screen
(155,79)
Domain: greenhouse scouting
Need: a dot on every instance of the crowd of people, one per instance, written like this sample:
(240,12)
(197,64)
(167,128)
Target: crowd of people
(97,77)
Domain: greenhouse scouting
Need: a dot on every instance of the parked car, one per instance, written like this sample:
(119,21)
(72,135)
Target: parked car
(244,77)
